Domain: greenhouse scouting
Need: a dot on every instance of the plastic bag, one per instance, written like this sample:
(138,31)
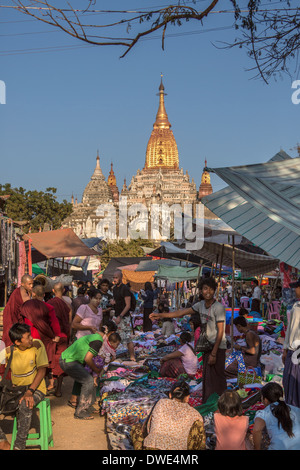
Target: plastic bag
(273,363)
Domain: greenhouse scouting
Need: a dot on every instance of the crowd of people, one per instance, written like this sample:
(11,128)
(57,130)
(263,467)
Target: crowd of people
(75,331)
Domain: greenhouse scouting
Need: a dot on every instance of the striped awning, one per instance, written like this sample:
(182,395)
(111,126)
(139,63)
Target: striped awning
(262,203)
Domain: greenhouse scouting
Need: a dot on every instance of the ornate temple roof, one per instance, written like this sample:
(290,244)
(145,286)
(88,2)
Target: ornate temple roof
(97,191)
(162,149)
(112,183)
(205,187)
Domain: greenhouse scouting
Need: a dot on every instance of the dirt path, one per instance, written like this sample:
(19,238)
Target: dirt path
(70,433)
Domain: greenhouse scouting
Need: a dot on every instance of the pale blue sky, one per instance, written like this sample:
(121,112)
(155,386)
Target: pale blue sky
(63,105)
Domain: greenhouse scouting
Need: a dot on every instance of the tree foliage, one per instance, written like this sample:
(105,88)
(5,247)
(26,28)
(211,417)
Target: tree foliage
(269,31)
(35,207)
(122,248)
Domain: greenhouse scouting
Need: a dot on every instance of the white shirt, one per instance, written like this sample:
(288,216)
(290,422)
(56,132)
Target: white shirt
(256,293)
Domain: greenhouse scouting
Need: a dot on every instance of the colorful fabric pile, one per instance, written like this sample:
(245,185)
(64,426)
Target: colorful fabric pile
(128,391)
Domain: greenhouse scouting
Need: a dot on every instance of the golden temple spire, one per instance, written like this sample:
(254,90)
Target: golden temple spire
(112,181)
(162,149)
(162,120)
(205,187)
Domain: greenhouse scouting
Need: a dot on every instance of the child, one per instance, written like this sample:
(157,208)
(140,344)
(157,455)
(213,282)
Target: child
(107,352)
(282,421)
(182,361)
(28,367)
(230,425)
(195,327)
(168,327)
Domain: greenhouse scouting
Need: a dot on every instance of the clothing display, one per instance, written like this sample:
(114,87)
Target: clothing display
(128,391)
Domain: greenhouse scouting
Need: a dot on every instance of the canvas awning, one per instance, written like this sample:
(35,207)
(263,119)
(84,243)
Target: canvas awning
(262,203)
(250,264)
(153,265)
(137,280)
(116,262)
(168,250)
(178,273)
(57,244)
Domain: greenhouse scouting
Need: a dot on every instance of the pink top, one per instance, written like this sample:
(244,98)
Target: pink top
(88,318)
(189,359)
(231,432)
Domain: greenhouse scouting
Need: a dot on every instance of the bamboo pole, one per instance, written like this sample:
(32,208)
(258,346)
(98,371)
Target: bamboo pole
(220,271)
(5,287)
(233,292)
(198,280)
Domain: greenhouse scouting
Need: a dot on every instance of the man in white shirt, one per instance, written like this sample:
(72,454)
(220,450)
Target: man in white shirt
(290,356)
(257,291)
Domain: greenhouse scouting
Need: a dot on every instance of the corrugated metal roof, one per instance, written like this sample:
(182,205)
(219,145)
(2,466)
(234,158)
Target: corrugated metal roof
(262,203)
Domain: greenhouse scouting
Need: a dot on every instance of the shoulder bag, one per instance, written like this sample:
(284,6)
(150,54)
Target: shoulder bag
(203,344)
(10,394)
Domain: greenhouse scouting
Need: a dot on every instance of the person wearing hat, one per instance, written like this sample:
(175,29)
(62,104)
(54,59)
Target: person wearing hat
(291,353)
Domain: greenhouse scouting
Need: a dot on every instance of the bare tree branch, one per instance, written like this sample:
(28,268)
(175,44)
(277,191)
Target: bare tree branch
(270,36)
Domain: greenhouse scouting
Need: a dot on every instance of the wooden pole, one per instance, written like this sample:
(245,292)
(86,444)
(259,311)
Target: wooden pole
(198,280)
(5,286)
(233,292)
(220,271)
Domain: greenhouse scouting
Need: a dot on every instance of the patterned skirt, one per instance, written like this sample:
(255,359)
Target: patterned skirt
(172,368)
(291,380)
(196,438)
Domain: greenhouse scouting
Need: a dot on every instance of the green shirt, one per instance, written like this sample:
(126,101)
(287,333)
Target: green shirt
(78,350)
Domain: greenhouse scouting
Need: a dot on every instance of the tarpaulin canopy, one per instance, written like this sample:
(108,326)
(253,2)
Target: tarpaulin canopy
(129,267)
(262,203)
(36,269)
(153,265)
(215,230)
(177,273)
(137,280)
(116,262)
(250,264)
(58,243)
(168,250)
(91,242)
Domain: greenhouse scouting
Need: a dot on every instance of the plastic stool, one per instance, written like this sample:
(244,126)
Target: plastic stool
(274,310)
(44,438)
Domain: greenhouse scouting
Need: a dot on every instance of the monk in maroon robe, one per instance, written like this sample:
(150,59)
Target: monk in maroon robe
(63,313)
(11,313)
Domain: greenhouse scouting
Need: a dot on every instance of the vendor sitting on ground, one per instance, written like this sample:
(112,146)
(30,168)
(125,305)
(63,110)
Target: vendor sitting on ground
(182,361)
(243,356)
(172,424)
(168,327)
